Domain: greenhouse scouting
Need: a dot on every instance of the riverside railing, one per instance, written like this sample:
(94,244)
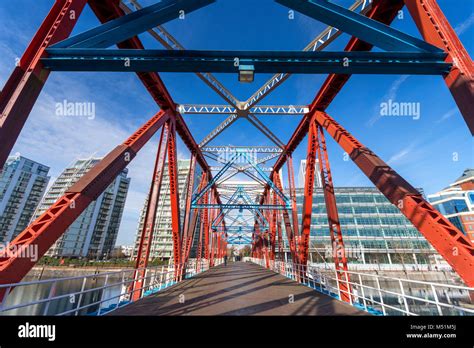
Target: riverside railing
(94,294)
(381,295)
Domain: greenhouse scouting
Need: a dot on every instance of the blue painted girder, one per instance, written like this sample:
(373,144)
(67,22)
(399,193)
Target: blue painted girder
(413,63)
(129,26)
(364,28)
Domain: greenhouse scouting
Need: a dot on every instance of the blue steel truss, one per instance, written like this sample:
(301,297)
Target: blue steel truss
(407,54)
(240,153)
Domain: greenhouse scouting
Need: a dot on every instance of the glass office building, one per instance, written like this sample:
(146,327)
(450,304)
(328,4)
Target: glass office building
(375,232)
(456,203)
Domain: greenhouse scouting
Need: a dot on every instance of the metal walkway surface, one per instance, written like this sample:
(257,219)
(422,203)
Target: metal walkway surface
(238,289)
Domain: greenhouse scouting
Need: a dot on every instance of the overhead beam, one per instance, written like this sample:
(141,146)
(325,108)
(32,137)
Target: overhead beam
(250,149)
(255,206)
(112,60)
(266,110)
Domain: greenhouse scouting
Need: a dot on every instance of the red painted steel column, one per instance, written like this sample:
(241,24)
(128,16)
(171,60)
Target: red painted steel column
(189,214)
(308,197)
(280,237)
(148,230)
(286,218)
(437,31)
(291,182)
(22,89)
(273,228)
(45,230)
(206,226)
(219,246)
(193,222)
(337,242)
(211,249)
(203,216)
(451,243)
(174,195)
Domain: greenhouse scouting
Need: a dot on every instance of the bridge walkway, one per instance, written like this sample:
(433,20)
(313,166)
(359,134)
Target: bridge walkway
(238,289)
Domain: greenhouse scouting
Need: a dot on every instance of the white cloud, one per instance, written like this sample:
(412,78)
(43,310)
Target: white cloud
(461,28)
(402,154)
(391,95)
(448,115)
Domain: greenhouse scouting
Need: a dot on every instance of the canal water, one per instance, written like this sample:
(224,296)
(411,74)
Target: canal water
(36,292)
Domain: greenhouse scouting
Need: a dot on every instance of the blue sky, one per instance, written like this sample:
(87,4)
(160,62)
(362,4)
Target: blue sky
(420,150)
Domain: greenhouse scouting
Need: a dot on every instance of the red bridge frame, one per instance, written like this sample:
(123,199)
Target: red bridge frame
(27,80)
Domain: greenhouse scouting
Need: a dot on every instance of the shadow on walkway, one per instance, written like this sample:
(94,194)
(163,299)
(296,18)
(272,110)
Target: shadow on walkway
(238,289)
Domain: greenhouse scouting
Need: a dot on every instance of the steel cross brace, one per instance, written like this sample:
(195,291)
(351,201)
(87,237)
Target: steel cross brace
(367,29)
(240,154)
(130,25)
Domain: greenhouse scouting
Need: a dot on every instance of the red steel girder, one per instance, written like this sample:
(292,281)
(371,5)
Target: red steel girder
(148,230)
(203,215)
(451,243)
(273,227)
(280,237)
(206,225)
(437,31)
(337,242)
(28,78)
(45,230)
(174,195)
(292,188)
(286,218)
(303,245)
(189,214)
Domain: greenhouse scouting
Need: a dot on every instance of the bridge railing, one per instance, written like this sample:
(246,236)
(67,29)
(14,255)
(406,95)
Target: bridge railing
(381,295)
(93,294)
